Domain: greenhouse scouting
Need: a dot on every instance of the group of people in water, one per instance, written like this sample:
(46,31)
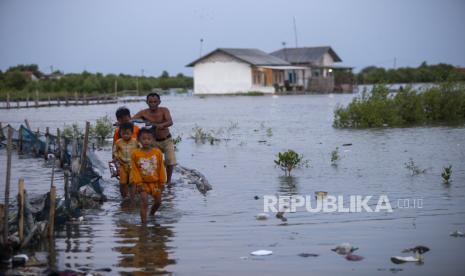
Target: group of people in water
(144,157)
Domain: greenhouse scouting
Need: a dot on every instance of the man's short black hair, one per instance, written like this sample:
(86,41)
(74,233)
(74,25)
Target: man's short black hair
(145,130)
(153,94)
(122,112)
(124,126)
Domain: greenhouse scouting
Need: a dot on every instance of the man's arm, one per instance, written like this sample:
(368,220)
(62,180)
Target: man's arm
(139,115)
(167,121)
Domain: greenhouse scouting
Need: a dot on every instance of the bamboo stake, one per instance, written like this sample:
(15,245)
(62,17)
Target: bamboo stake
(66,175)
(20,141)
(51,215)
(21,209)
(1,222)
(8,100)
(1,131)
(7,184)
(37,98)
(47,142)
(84,147)
(27,124)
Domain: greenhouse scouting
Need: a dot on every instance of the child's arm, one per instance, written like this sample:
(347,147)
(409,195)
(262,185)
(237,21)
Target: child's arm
(161,169)
(114,151)
(135,176)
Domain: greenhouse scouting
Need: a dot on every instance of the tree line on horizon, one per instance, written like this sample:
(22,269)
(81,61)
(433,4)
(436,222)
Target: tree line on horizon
(19,78)
(28,78)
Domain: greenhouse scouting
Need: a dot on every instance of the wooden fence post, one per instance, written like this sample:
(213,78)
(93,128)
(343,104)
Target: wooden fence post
(21,209)
(27,124)
(37,98)
(8,100)
(83,159)
(47,142)
(51,214)
(20,141)
(7,184)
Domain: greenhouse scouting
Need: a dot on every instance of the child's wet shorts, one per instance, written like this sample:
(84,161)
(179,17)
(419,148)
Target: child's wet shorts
(124,173)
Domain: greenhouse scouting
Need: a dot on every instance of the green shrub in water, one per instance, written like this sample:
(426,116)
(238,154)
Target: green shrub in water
(444,104)
(446,174)
(103,128)
(290,160)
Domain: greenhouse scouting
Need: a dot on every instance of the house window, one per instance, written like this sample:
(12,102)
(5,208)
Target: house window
(257,78)
(316,72)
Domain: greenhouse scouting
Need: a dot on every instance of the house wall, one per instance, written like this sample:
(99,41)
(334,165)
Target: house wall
(222,74)
(327,60)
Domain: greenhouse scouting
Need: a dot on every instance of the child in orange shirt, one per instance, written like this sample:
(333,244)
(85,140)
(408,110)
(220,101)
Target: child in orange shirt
(123,115)
(148,172)
(122,151)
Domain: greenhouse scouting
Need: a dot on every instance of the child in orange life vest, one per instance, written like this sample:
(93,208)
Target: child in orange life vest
(148,172)
(122,151)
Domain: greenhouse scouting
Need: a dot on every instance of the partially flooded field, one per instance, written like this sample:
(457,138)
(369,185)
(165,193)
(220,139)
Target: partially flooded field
(215,234)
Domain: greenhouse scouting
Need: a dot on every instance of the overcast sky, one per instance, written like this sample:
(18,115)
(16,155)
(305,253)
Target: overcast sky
(115,36)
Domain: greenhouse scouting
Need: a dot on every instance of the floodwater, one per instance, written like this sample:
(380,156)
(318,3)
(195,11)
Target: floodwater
(214,234)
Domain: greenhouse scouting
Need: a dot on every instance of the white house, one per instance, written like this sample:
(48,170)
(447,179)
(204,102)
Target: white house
(233,70)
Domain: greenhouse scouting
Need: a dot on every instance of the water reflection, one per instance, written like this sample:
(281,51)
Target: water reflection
(288,185)
(143,247)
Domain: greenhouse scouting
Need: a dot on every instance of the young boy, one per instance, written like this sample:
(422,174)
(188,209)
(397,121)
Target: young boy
(123,115)
(148,172)
(122,151)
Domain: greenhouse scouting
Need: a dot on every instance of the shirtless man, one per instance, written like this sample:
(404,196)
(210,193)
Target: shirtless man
(160,118)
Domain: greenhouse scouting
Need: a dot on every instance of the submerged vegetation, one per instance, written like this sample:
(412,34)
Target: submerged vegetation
(413,168)
(102,129)
(446,174)
(444,104)
(335,156)
(290,160)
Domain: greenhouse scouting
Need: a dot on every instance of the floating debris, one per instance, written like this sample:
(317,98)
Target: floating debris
(354,258)
(457,233)
(256,197)
(401,260)
(194,177)
(344,249)
(261,253)
(306,255)
(320,194)
(19,260)
(347,145)
(280,215)
(262,216)
(419,250)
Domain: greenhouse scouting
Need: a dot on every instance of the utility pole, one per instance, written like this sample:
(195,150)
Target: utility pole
(295,34)
(201,46)
(395,62)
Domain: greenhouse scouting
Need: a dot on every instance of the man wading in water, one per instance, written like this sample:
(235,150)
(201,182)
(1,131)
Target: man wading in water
(160,118)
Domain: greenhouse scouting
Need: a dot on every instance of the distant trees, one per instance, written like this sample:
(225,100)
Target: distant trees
(18,78)
(423,73)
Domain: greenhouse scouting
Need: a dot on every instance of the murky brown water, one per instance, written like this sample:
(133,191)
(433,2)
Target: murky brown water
(214,234)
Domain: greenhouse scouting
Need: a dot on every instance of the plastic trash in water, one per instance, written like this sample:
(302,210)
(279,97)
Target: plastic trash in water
(320,194)
(401,259)
(261,253)
(354,258)
(344,249)
(419,250)
(262,216)
(457,233)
